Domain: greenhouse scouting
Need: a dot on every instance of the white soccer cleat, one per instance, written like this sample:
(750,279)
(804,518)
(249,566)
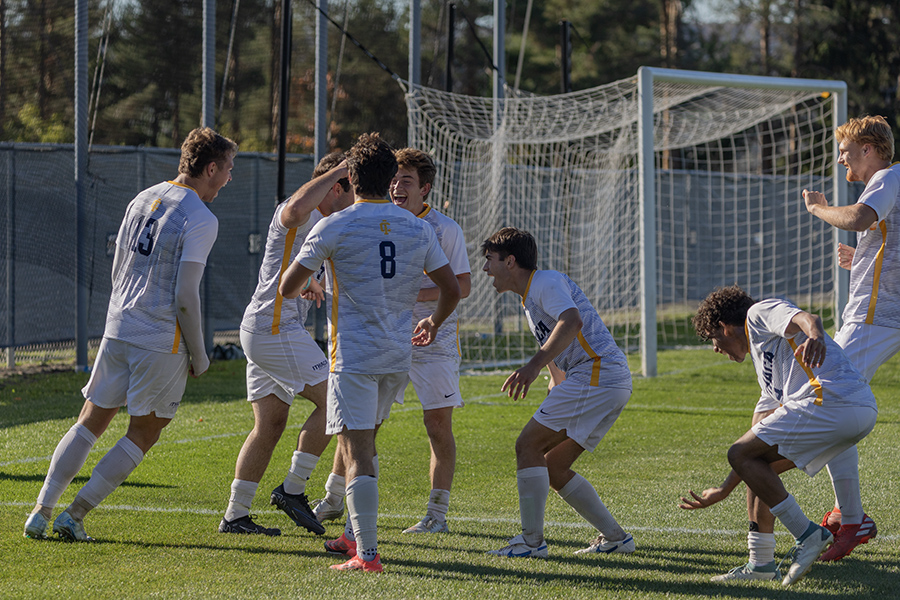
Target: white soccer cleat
(428,525)
(327,512)
(36,527)
(517,548)
(70,529)
(601,545)
(805,552)
(750,571)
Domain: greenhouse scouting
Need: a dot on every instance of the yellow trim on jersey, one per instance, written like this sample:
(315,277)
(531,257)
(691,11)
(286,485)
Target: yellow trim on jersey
(876,277)
(813,380)
(285,263)
(184,185)
(372,201)
(334,315)
(425,211)
(177,337)
(595,370)
(458,348)
(528,287)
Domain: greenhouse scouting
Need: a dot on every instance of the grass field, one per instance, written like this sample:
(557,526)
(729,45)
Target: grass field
(157,534)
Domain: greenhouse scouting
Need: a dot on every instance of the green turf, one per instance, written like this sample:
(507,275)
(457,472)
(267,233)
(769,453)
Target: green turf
(157,533)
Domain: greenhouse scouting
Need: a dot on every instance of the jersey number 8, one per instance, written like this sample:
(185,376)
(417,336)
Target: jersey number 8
(388,266)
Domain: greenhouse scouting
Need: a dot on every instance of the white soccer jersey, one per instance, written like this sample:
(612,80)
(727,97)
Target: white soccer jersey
(268,311)
(783,378)
(163,226)
(450,237)
(875,272)
(593,358)
(376,253)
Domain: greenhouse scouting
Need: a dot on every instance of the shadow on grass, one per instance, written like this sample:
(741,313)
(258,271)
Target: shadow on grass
(81,480)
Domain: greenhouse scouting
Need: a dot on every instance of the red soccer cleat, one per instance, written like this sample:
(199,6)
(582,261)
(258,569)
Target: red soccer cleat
(849,537)
(832,521)
(341,546)
(358,564)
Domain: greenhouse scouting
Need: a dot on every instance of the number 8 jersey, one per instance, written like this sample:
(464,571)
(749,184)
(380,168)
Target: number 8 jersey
(375,254)
(163,226)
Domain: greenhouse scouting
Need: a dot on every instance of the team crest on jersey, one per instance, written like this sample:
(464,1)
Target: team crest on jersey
(155,205)
(385,227)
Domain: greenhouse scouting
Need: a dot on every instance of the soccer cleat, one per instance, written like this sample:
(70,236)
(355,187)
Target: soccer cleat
(805,552)
(849,537)
(428,525)
(325,511)
(517,548)
(341,546)
(750,571)
(358,564)
(246,525)
(36,527)
(601,545)
(297,508)
(69,529)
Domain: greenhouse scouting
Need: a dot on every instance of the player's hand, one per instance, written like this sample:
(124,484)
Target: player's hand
(707,498)
(199,365)
(313,291)
(845,256)
(520,381)
(425,332)
(811,353)
(813,199)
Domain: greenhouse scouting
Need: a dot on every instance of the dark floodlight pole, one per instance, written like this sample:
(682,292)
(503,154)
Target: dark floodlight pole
(451,18)
(81,160)
(565,46)
(283,98)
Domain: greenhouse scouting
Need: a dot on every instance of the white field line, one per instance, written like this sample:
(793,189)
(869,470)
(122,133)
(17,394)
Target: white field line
(511,521)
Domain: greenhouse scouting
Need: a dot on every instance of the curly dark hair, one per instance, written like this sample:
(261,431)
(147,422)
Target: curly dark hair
(728,305)
(372,166)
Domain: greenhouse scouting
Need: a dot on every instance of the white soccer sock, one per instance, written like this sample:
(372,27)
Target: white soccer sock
(302,465)
(362,506)
(844,472)
(68,458)
(242,494)
(111,471)
(791,516)
(438,504)
(534,486)
(335,489)
(581,495)
(762,548)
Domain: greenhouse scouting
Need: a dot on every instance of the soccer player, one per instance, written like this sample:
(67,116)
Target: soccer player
(826,406)
(435,368)
(153,337)
(376,253)
(870,333)
(590,383)
(283,360)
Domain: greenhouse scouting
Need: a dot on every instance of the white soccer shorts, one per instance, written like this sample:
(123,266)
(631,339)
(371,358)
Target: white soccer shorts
(810,435)
(357,401)
(585,412)
(282,364)
(143,380)
(868,346)
(436,384)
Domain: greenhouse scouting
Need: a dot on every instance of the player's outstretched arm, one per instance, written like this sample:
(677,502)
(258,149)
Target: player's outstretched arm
(426,329)
(293,280)
(711,495)
(855,217)
(812,351)
(567,327)
(187,311)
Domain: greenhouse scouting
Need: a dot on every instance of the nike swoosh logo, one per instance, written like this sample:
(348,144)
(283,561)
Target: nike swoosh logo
(448,395)
(543,412)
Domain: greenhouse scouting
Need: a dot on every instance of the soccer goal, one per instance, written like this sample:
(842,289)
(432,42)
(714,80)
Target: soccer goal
(648,192)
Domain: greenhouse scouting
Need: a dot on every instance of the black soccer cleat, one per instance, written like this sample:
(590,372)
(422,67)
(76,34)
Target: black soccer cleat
(246,525)
(297,508)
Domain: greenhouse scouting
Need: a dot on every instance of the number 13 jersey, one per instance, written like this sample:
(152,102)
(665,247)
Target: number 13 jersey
(163,226)
(375,254)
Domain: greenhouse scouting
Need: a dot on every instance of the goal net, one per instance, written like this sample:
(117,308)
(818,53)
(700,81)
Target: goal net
(730,158)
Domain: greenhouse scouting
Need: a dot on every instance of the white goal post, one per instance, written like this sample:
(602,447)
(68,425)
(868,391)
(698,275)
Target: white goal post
(648,192)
